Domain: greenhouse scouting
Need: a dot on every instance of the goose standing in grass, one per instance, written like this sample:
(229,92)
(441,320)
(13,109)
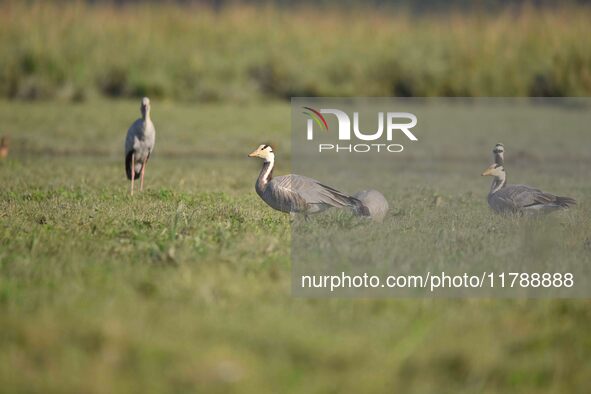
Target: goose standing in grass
(299,194)
(139,144)
(504,198)
(3,148)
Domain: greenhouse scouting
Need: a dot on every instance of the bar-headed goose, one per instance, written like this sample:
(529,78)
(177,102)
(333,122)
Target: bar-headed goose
(504,198)
(298,194)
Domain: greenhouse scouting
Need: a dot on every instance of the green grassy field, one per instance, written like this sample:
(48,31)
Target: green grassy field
(186,286)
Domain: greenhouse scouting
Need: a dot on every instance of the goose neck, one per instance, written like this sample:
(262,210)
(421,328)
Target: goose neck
(497,184)
(266,175)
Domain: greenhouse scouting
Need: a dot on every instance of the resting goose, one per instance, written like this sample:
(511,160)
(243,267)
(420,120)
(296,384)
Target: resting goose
(298,194)
(504,198)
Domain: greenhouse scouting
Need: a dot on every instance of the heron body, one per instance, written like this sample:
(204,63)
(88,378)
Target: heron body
(139,144)
(299,194)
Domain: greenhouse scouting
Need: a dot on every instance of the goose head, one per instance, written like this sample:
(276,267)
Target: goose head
(496,170)
(264,152)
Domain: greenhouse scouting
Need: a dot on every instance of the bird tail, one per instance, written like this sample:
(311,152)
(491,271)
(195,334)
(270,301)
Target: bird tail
(565,202)
(128,167)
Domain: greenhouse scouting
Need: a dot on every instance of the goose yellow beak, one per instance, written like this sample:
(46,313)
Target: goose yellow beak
(487,171)
(254,154)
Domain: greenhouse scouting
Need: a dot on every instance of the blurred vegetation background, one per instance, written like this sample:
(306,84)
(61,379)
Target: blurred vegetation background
(239,51)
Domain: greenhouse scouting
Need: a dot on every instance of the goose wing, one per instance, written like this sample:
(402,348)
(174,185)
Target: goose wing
(523,196)
(314,192)
(298,192)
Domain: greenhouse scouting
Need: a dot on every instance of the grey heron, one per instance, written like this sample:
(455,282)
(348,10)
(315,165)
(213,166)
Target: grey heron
(298,194)
(139,144)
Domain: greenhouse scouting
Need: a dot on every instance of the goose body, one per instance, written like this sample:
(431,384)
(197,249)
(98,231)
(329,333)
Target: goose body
(139,144)
(526,199)
(505,198)
(298,194)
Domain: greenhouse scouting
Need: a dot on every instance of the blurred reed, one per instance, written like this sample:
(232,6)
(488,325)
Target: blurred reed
(239,53)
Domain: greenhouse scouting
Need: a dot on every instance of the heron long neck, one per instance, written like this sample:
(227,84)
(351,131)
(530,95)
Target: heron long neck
(498,183)
(265,176)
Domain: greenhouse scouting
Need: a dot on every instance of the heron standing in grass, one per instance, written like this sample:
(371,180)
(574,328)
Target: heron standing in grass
(299,194)
(504,198)
(139,144)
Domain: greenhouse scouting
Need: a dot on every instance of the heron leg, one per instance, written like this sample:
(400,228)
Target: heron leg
(132,171)
(143,170)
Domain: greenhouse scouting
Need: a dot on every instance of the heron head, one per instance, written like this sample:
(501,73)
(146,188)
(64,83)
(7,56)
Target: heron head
(264,152)
(495,170)
(145,106)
